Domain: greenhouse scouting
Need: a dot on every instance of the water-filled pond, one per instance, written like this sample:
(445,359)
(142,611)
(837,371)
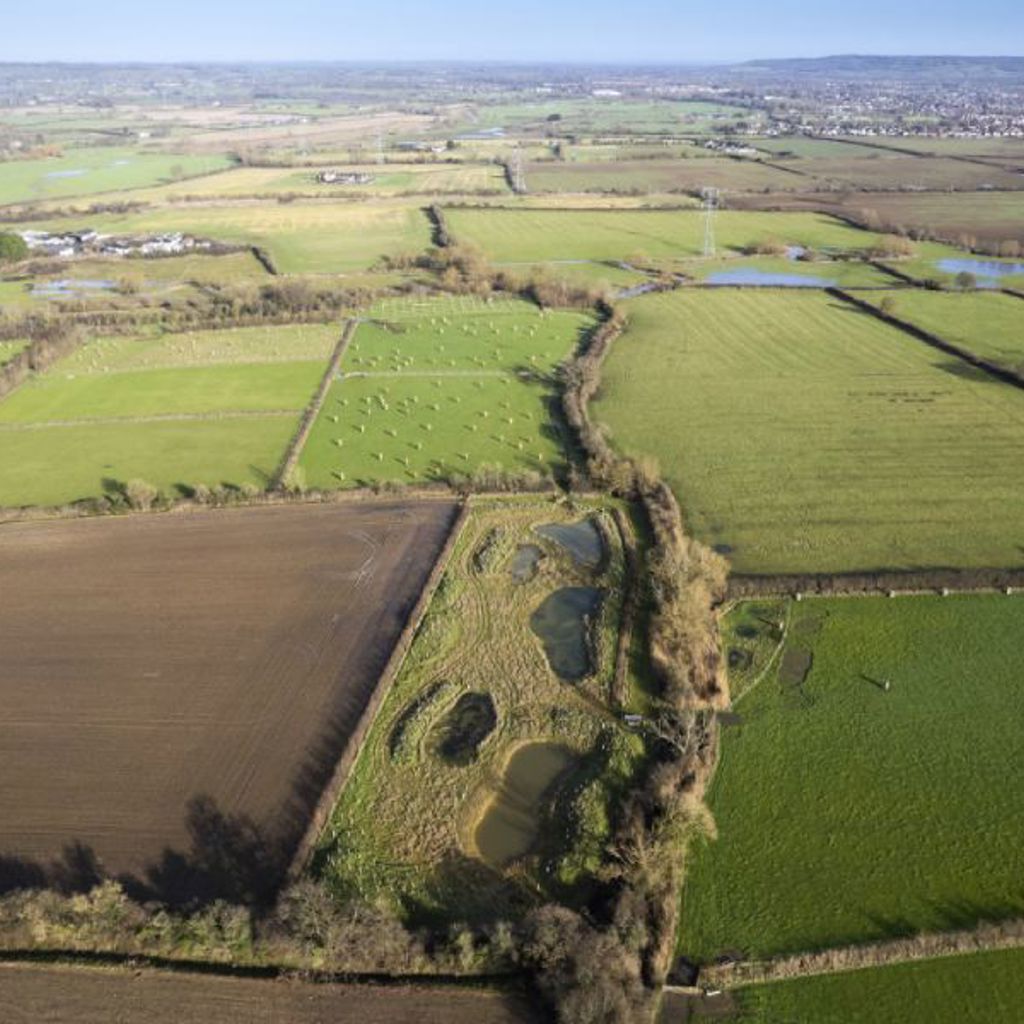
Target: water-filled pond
(561,622)
(457,737)
(980,268)
(525,562)
(582,540)
(753,277)
(510,824)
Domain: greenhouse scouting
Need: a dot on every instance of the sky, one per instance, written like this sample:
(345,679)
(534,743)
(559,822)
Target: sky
(666,31)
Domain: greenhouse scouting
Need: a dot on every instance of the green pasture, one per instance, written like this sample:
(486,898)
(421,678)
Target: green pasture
(986,987)
(60,396)
(90,170)
(608,115)
(51,465)
(437,388)
(388,179)
(987,324)
(539,236)
(802,435)
(658,176)
(847,813)
(233,345)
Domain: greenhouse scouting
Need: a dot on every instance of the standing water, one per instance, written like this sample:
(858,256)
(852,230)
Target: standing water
(511,822)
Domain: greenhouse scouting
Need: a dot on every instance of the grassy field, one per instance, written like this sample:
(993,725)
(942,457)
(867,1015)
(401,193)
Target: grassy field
(989,325)
(312,238)
(51,465)
(233,345)
(388,179)
(206,407)
(607,116)
(405,829)
(801,435)
(846,813)
(442,387)
(871,169)
(535,236)
(175,391)
(985,987)
(88,171)
(658,176)
(986,216)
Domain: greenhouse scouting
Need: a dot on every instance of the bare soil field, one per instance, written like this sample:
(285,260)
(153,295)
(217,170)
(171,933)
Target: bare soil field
(176,690)
(64,995)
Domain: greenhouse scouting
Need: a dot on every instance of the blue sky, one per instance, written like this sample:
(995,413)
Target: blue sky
(567,30)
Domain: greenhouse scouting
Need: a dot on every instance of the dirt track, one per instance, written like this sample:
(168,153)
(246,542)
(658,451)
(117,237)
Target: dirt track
(165,678)
(57,995)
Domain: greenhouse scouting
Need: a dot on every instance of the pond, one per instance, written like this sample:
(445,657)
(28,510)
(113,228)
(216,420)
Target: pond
(752,277)
(457,737)
(525,562)
(582,540)
(562,623)
(69,287)
(511,822)
(980,268)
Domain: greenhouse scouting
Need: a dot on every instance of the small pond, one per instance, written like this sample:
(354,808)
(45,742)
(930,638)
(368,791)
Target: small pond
(582,540)
(525,562)
(457,737)
(562,622)
(510,824)
(980,268)
(77,173)
(69,287)
(752,277)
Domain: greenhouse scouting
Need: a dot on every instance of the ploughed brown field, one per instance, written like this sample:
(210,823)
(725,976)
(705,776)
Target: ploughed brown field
(61,995)
(175,690)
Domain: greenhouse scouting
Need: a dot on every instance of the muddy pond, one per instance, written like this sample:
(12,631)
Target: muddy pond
(510,825)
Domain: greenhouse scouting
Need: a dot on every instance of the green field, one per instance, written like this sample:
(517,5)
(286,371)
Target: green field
(658,176)
(198,407)
(388,180)
(179,391)
(232,345)
(53,465)
(986,324)
(536,236)
(302,238)
(801,435)
(88,171)
(846,813)
(984,987)
(609,115)
(405,830)
(440,387)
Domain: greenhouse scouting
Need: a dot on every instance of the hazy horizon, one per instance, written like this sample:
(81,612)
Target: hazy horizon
(655,32)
